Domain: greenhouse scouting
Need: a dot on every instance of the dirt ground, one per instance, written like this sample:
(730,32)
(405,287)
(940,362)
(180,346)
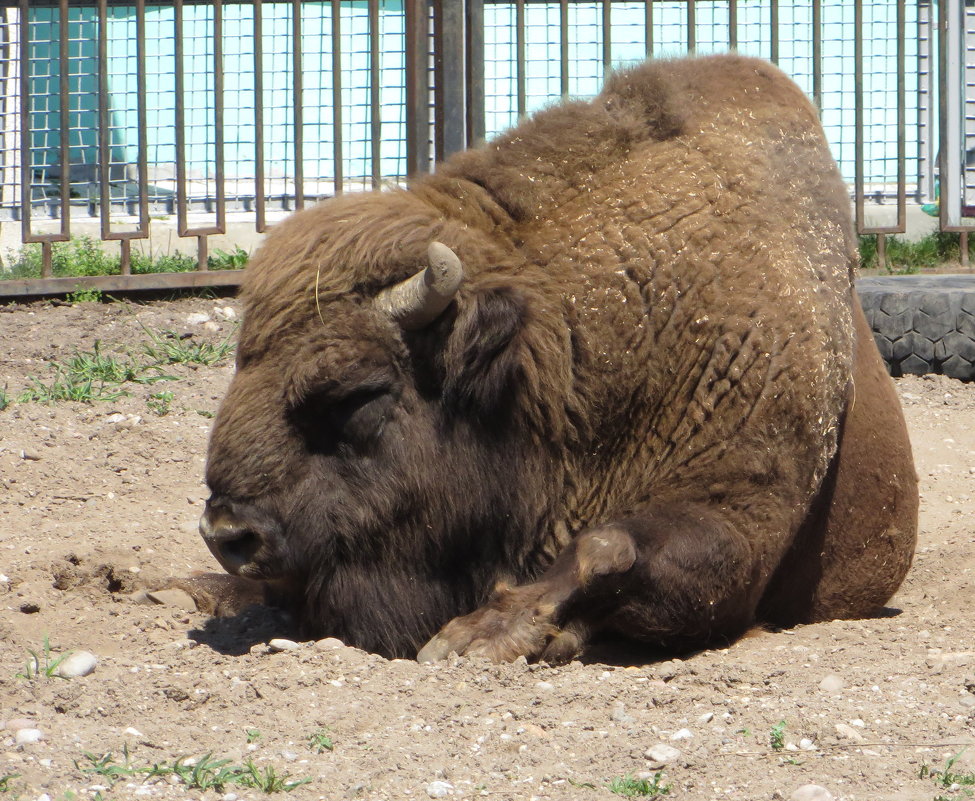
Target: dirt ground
(96,500)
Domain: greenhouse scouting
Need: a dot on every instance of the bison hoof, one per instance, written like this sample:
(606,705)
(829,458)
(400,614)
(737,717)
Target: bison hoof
(508,626)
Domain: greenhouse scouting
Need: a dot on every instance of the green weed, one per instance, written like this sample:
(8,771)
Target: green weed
(948,779)
(205,773)
(253,735)
(85,296)
(776,737)
(159,402)
(235,259)
(167,347)
(4,398)
(629,787)
(904,256)
(321,741)
(44,664)
(5,782)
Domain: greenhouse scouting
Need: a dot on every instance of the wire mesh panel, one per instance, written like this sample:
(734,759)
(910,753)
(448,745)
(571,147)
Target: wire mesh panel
(197,117)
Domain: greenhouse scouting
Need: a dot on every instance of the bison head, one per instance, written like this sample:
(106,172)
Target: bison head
(372,460)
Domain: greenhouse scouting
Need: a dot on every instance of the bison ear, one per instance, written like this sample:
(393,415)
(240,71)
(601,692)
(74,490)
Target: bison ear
(483,358)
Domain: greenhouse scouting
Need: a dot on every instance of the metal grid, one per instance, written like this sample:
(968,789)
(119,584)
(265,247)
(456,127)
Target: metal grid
(208,110)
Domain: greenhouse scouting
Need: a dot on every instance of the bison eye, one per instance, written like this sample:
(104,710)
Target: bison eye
(355,420)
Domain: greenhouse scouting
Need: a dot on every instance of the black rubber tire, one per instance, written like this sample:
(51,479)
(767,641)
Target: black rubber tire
(922,323)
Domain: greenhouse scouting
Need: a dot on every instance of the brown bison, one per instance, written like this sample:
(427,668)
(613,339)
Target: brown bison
(604,375)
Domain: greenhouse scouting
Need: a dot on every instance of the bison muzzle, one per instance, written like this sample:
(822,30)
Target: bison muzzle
(605,375)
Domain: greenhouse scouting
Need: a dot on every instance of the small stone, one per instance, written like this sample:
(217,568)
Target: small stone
(225,313)
(619,713)
(329,644)
(832,684)
(440,789)
(667,670)
(27,736)
(173,597)
(707,717)
(544,686)
(30,607)
(18,723)
(662,754)
(846,732)
(133,732)
(811,792)
(76,664)
(682,734)
(197,318)
(279,644)
(805,744)
(141,597)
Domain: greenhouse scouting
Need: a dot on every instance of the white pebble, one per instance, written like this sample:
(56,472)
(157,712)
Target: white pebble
(440,789)
(805,744)
(662,754)
(682,734)
(544,686)
(707,717)
(279,644)
(133,732)
(811,792)
(832,684)
(197,317)
(25,736)
(846,732)
(79,663)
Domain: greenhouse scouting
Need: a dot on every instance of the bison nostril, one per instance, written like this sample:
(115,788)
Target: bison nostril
(233,546)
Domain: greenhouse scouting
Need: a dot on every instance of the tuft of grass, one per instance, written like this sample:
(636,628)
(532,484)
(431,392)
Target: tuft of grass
(321,741)
(159,402)
(948,779)
(168,347)
(5,782)
(205,773)
(44,664)
(629,787)
(776,737)
(906,257)
(91,376)
(253,735)
(4,398)
(85,296)
(235,259)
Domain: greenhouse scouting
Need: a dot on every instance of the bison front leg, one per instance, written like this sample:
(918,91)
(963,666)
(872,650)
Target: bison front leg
(674,577)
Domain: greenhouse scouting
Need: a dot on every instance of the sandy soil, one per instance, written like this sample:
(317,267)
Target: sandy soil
(97,499)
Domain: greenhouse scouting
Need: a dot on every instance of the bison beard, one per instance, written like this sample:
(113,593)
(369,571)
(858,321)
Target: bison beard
(628,389)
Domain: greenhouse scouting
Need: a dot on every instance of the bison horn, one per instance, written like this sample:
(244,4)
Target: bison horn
(421,298)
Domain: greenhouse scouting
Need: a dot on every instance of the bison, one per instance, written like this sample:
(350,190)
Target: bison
(605,375)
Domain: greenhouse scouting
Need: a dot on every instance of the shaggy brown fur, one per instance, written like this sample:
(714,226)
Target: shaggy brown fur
(636,417)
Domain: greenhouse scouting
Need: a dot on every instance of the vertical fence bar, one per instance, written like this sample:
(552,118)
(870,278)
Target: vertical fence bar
(817,54)
(298,92)
(375,85)
(182,199)
(338,163)
(105,138)
(648,26)
(564,47)
(607,23)
(774,32)
(449,84)
(520,55)
(691,26)
(26,193)
(858,112)
(260,192)
(417,87)
(476,132)
(732,24)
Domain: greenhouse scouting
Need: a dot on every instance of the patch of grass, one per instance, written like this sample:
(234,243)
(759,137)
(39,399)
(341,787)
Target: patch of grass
(44,664)
(321,741)
(205,413)
(629,787)
(205,773)
(85,256)
(85,296)
(159,402)
(168,347)
(776,737)
(253,735)
(90,376)
(949,780)
(4,398)
(904,257)
(5,782)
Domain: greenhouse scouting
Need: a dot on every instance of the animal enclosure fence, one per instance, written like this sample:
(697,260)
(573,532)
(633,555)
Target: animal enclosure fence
(209,118)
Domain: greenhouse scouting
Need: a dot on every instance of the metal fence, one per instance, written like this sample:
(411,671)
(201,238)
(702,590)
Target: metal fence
(208,120)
